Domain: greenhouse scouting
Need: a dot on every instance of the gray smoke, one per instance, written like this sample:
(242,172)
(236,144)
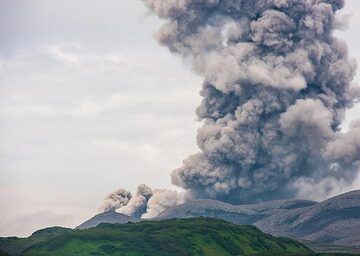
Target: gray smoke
(137,205)
(161,200)
(277,85)
(146,203)
(115,200)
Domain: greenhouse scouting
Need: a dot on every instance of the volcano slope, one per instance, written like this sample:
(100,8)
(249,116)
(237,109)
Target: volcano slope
(111,217)
(335,221)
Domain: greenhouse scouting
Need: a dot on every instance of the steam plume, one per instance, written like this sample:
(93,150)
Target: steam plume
(277,84)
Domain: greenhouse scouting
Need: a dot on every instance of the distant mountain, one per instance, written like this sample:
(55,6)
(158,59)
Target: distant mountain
(244,214)
(196,236)
(106,217)
(336,220)
(330,226)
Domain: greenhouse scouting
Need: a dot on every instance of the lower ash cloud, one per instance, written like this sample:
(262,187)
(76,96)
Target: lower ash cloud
(277,83)
(146,203)
(116,200)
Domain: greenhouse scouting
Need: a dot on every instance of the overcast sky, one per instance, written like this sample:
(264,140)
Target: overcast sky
(88,103)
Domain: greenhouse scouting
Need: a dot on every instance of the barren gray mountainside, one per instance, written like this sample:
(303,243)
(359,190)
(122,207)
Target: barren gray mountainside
(106,217)
(336,220)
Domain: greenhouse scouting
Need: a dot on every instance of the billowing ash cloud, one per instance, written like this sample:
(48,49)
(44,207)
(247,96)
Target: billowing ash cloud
(116,200)
(137,205)
(277,84)
(146,203)
(161,200)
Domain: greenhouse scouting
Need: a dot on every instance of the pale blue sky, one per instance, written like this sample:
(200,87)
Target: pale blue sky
(88,103)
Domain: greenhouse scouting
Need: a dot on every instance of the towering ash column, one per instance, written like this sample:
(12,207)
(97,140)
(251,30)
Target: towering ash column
(277,84)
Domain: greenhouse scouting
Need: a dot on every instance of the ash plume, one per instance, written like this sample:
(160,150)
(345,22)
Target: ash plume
(137,205)
(161,200)
(116,200)
(277,83)
(146,203)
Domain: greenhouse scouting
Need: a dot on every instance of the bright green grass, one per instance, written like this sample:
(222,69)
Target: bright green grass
(190,237)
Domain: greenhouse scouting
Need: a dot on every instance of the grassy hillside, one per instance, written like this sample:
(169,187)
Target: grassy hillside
(198,236)
(180,237)
(14,245)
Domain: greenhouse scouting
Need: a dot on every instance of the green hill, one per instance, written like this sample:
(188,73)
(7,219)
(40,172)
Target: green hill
(14,245)
(179,237)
